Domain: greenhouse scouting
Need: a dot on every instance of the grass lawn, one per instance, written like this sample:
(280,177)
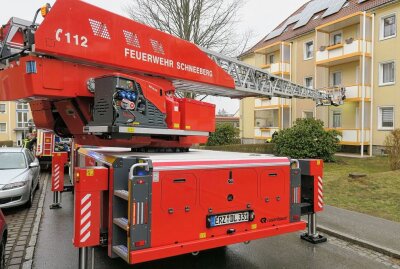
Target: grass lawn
(377,194)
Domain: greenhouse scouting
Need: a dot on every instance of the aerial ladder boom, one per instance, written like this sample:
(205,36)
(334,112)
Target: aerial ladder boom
(260,83)
(107,80)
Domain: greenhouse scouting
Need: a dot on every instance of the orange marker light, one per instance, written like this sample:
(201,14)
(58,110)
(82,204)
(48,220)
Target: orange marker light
(44,10)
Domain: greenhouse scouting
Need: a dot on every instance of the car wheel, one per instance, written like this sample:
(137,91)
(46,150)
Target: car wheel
(30,201)
(37,185)
(3,254)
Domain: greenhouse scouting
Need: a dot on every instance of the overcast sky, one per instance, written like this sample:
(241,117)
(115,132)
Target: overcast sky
(259,16)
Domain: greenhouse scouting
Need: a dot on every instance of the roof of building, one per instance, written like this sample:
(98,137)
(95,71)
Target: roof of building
(312,14)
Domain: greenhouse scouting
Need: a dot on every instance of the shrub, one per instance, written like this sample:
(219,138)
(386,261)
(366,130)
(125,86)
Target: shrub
(392,143)
(307,139)
(225,134)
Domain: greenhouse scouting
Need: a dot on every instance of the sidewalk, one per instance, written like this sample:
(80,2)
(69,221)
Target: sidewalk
(370,232)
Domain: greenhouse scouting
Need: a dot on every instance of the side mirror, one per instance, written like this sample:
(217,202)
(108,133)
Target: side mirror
(33,165)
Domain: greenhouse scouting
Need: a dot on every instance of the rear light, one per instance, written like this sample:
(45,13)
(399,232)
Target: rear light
(140,243)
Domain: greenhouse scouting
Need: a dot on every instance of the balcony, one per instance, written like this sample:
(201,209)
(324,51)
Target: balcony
(341,41)
(350,51)
(277,69)
(353,136)
(354,93)
(276,58)
(265,133)
(273,103)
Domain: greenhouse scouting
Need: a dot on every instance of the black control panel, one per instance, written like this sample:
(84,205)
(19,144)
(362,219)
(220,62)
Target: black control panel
(120,101)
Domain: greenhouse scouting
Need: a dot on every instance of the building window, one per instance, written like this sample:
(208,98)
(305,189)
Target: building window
(388,27)
(2,108)
(308,114)
(386,118)
(337,119)
(336,79)
(3,127)
(271,59)
(22,106)
(386,73)
(22,119)
(309,82)
(308,50)
(336,38)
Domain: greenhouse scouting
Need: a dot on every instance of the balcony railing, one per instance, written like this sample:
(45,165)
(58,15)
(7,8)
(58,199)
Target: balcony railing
(274,102)
(265,133)
(352,136)
(355,92)
(342,53)
(277,68)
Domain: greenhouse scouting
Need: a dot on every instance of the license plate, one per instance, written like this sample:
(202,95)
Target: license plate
(228,218)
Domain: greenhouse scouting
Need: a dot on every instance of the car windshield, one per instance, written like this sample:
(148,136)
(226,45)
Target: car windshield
(12,160)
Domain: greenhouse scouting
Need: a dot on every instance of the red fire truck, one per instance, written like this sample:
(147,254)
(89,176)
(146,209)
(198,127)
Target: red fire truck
(108,81)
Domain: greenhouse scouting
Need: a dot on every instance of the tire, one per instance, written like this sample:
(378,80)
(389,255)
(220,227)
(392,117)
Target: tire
(38,184)
(30,201)
(3,254)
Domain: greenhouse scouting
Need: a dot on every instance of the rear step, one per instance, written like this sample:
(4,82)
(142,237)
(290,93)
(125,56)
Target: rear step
(122,194)
(121,251)
(122,223)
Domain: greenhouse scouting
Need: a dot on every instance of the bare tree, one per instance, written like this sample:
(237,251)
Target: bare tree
(208,23)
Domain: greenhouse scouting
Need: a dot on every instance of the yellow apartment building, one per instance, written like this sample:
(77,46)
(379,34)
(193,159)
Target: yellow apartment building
(327,44)
(15,118)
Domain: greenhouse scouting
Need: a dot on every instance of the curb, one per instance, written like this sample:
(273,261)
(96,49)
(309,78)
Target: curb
(35,230)
(360,242)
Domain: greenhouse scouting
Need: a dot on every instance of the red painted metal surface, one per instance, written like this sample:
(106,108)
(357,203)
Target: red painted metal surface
(208,243)
(89,183)
(88,33)
(206,191)
(59,159)
(196,115)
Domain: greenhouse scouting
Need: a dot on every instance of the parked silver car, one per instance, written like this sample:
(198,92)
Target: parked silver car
(19,177)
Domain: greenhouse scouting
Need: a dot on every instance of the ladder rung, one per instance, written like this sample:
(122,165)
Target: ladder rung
(122,194)
(121,251)
(122,223)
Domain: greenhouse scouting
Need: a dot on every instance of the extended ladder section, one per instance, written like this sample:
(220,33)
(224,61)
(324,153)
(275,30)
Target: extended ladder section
(259,83)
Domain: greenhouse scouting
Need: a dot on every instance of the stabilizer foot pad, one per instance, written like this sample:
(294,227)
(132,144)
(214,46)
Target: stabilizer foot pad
(314,239)
(55,206)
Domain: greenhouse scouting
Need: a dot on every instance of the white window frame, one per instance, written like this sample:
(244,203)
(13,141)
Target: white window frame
(380,127)
(5,123)
(380,69)
(5,108)
(312,80)
(305,50)
(331,38)
(341,78)
(308,111)
(382,27)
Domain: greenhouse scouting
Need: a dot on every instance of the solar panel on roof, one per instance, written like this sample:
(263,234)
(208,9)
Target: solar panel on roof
(336,7)
(302,18)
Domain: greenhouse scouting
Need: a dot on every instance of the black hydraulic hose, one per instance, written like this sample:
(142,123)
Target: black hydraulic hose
(34,19)
(13,55)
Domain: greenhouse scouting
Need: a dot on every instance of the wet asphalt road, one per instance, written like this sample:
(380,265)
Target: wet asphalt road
(54,250)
